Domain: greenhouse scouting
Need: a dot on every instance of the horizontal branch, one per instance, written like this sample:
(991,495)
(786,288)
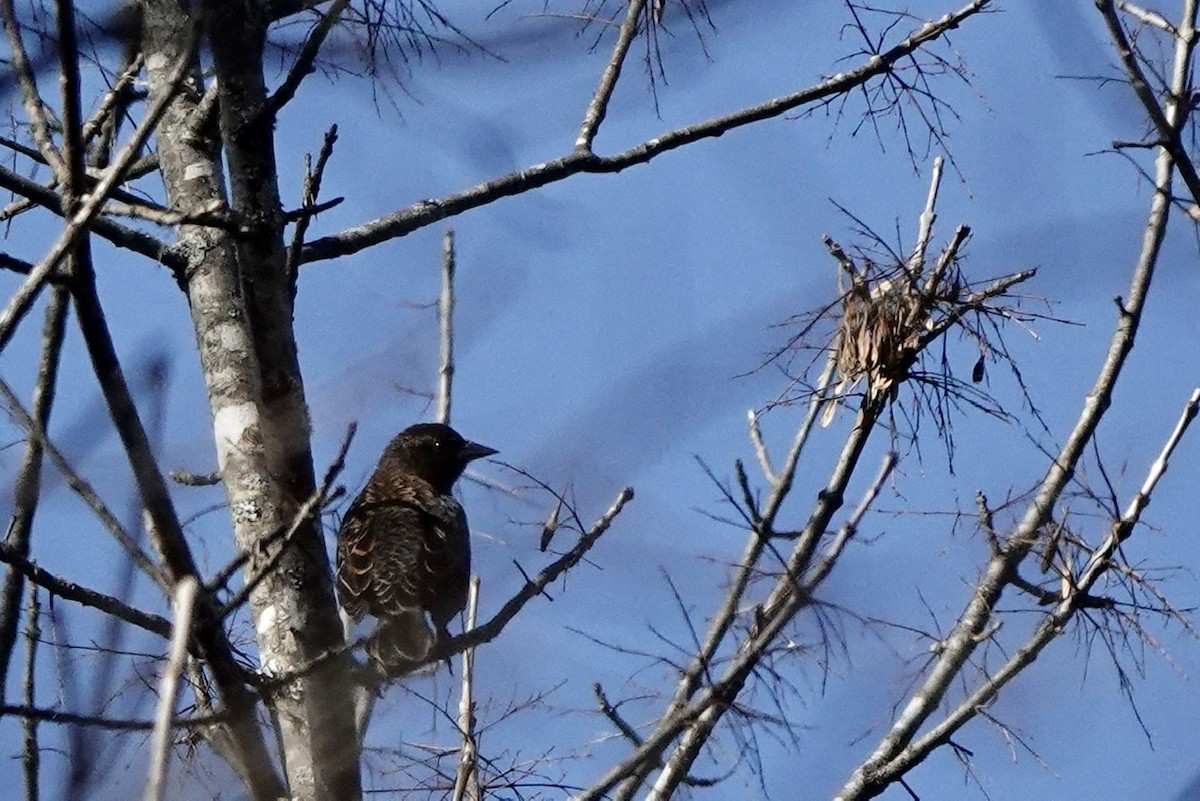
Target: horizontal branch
(71,591)
(97,722)
(119,235)
(426,212)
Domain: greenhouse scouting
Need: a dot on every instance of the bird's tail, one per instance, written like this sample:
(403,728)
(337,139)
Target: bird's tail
(400,643)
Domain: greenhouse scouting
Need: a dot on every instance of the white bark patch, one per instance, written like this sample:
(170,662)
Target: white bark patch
(229,426)
(266,620)
(272,665)
(197,169)
(913,706)
(231,337)
(276,630)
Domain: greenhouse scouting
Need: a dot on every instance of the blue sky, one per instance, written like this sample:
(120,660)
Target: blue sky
(603,322)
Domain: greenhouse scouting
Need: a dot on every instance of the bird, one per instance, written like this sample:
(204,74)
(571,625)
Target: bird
(403,547)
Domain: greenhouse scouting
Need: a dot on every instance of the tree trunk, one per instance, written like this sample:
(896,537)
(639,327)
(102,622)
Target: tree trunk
(241,304)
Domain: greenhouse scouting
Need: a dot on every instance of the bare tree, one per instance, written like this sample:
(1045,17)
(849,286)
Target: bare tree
(195,187)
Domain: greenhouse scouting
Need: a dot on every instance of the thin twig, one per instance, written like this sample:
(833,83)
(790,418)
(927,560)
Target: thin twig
(205,112)
(168,694)
(553,520)
(308,201)
(217,215)
(307,213)
(31,756)
(28,152)
(948,256)
(446,329)
(598,106)
(849,528)
(466,780)
(1123,527)
(303,65)
(21,300)
(29,476)
(63,718)
(760,448)
(925,222)
(112,98)
(613,714)
(74,172)
(81,487)
(1148,17)
(534,586)
(21,266)
(34,106)
(972,302)
(302,517)
(120,235)
(61,588)
(15,208)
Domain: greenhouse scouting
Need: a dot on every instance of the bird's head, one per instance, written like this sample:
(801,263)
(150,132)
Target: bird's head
(435,452)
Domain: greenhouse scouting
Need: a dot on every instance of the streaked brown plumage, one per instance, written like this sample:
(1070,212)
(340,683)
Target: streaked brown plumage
(404,547)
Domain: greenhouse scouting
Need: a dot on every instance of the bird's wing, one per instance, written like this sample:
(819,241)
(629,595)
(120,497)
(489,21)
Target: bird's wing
(395,543)
(446,562)
(378,549)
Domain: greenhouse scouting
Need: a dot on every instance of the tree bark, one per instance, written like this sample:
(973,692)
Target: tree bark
(241,304)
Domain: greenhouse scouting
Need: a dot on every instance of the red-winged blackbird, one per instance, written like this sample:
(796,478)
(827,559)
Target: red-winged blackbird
(404,547)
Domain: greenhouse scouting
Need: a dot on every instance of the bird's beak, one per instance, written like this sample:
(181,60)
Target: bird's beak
(473,450)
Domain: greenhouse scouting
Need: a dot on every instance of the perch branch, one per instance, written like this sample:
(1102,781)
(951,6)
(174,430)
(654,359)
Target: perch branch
(466,780)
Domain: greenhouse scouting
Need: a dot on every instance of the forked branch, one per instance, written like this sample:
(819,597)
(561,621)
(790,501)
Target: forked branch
(896,752)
